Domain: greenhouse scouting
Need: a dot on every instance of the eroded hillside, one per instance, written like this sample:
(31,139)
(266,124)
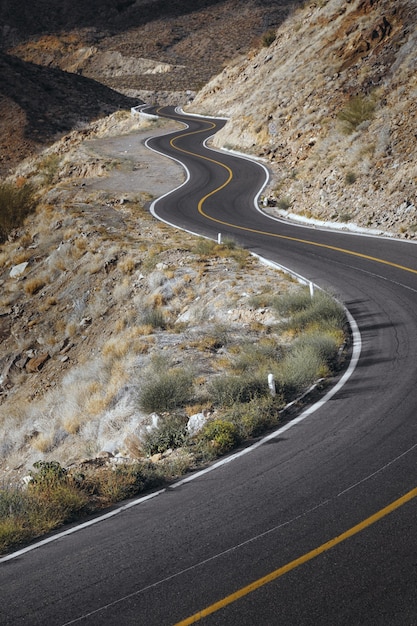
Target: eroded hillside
(145,49)
(331,104)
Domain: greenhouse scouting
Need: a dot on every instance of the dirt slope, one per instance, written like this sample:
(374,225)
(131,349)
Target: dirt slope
(331,105)
(148,49)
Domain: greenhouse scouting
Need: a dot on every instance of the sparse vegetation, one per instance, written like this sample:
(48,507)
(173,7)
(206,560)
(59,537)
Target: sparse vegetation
(268,38)
(350,178)
(284,203)
(166,389)
(16,203)
(357,110)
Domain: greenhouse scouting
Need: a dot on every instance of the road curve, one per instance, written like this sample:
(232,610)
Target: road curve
(315,526)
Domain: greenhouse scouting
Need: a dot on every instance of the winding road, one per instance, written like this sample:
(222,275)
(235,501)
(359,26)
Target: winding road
(314,525)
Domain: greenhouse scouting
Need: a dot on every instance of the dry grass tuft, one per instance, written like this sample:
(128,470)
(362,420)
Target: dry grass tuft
(33,285)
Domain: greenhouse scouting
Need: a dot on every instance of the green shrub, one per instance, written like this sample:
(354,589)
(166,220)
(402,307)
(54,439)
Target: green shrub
(268,38)
(359,109)
(256,416)
(15,204)
(222,435)
(303,311)
(49,474)
(226,390)
(171,432)
(284,203)
(166,390)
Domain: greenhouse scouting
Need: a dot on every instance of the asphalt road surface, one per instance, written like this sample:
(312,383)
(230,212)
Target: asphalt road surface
(317,524)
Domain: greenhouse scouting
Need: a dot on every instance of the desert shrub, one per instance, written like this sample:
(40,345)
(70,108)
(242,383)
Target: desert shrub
(52,498)
(312,356)
(154,317)
(171,432)
(298,370)
(345,217)
(359,109)
(257,357)
(284,203)
(115,483)
(33,285)
(254,417)
(261,300)
(59,494)
(304,311)
(227,390)
(49,167)
(292,302)
(15,516)
(323,344)
(15,204)
(166,390)
(229,243)
(204,247)
(221,435)
(268,38)
(350,178)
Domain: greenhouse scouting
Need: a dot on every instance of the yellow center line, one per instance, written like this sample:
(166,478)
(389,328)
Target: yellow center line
(307,242)
(244,591)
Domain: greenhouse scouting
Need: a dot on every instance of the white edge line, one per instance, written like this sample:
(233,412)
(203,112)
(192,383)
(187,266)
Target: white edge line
(293,218)
(356,351)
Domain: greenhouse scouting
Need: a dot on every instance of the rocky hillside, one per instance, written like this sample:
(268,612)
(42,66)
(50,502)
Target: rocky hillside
(331,104)
(39,104)
(98,299)
(146,49)
(94,291)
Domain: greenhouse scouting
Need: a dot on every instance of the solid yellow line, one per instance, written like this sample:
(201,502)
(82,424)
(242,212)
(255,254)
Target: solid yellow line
(276,235)
(305,241)
(300,561)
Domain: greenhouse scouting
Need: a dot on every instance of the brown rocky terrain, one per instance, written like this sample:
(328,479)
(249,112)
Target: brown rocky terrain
(149,50)
(82,283)
(39,104)
(331,105)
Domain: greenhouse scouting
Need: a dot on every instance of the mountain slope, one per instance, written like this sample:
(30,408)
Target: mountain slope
(148,49)
(332,105)
(37,104)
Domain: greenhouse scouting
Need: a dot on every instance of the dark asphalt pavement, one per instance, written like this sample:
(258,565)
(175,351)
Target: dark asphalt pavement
(164,560)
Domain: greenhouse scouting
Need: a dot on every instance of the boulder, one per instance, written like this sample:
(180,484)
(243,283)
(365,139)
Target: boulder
(18,270)
(36,363)
(196,423)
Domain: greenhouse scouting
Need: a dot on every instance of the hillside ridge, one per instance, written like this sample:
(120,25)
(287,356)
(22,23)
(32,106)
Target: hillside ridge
(331,106)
